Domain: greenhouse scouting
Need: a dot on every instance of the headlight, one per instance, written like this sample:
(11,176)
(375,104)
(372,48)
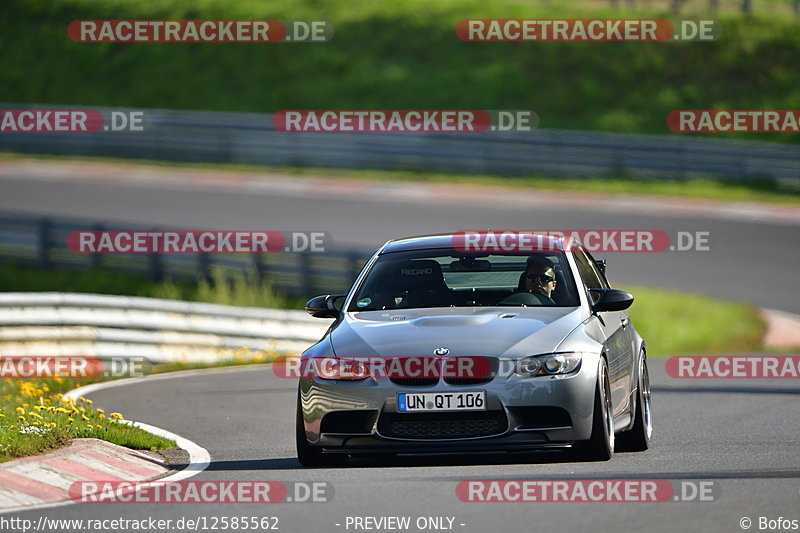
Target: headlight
(548,364)
(344,369)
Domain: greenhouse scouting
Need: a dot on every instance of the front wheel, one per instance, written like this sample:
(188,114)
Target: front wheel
(600,446)
(637,439)
(311,455)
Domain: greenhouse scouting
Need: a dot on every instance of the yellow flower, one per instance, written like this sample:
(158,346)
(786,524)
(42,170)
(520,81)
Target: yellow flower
(101,411)
(118,416)
(89,426)
(21,418)
(2,415)
(20,411)
(102,416)
(86,418)
(71,419)
(86,400)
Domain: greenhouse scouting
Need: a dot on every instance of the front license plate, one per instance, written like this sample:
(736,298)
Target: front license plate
(441,401)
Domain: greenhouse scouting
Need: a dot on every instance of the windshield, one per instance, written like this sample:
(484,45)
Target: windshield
(448,278)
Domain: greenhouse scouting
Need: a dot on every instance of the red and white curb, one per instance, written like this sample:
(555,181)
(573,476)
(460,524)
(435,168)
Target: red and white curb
(43,481)
(783,329)
(33,481)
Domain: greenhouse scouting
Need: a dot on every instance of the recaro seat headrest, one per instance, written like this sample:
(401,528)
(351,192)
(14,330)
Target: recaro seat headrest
(421,274)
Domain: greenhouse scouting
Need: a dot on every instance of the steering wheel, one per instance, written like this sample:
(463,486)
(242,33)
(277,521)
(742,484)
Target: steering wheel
(527,298)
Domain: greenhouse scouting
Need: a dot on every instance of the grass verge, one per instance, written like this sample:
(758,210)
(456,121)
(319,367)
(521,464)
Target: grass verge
(228,288)
(675,322)
(36,417)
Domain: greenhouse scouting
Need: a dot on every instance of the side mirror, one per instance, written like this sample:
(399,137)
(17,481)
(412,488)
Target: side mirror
(324,306)
(611,300)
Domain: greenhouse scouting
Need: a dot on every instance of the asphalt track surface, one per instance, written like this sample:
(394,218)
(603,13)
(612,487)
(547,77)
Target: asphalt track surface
(742,435)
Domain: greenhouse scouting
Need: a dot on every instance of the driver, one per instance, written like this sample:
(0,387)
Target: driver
(540,277)
(536,284)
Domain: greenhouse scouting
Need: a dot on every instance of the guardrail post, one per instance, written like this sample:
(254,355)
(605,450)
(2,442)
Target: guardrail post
(43,252)
(676,6)
(154,267)
(94,259)
(204,266)
(306,282)
(746,7)
(260,267)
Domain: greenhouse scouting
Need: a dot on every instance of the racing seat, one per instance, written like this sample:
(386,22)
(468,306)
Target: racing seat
(417,284)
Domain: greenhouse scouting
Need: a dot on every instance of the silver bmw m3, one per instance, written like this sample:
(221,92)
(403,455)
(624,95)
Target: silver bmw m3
(440,347)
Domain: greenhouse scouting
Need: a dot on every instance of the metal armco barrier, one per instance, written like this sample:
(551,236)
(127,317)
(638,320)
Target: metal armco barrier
(41,242)
(91,325)
(202,136)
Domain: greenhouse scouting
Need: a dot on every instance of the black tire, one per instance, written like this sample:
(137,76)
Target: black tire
(600,446)
(639,437)
(311,456)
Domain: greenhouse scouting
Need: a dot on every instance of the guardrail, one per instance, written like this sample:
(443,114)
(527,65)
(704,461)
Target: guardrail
(91,325)
(42,242)
(202,136)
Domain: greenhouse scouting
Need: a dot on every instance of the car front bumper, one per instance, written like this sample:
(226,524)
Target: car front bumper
(522,413)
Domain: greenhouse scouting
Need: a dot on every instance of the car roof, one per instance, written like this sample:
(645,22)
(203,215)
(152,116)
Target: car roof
(427,242)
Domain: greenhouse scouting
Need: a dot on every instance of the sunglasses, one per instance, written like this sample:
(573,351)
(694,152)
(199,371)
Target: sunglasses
(544,278)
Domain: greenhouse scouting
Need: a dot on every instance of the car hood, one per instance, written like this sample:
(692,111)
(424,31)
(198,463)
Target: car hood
(484,331)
